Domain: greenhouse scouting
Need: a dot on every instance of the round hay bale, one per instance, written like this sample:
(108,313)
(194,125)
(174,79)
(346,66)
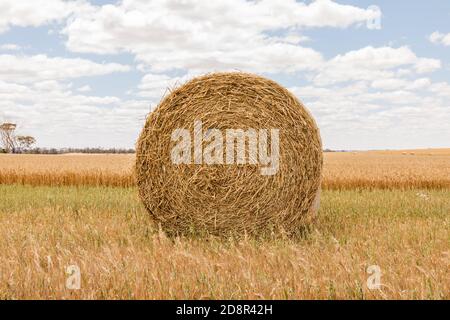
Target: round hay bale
(191,176)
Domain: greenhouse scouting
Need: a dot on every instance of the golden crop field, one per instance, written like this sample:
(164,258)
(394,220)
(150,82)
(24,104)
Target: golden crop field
(384,210)
(378,169)
(342,170)
(67,169)
(121,255)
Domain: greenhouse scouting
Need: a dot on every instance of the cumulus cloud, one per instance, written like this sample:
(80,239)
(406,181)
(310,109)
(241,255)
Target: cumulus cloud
(377,97)
(59,117)
(41,67)
(35,13)
(203,35)
(400,83)
(373,97)
(371,64)
(440,38)
(359,116)
(441,89)
(36,93)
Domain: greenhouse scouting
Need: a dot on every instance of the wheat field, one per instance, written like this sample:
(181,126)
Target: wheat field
(427,169)
(389,210)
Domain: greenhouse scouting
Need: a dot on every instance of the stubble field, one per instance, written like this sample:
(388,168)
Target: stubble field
(386,211)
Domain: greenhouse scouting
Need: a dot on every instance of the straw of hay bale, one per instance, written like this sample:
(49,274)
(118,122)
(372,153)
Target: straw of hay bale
(230,199)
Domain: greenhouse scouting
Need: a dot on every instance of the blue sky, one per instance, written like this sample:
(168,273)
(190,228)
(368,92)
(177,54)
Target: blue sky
(86,73)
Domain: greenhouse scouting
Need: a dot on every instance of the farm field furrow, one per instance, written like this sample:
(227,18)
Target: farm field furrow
(426,169)
(107,234)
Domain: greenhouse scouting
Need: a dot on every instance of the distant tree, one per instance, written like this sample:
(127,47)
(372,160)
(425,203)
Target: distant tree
(7,136)
(25,142)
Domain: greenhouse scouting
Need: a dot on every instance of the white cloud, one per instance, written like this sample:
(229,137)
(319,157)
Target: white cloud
(441,89)
(357,116)
(292,38)
(421,83)
(426,65)
(440,38)
(372,64)
(36,12)
(58,117)
(40,67)
(9,47)
(204,36)
(85,88)
(35,93)
(155,86)
(389,84)
(398,84)
(373,97)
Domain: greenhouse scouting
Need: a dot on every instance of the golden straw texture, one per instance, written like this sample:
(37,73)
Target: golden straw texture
(223,199)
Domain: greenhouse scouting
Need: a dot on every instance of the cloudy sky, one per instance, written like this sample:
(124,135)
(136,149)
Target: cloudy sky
(375,74)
